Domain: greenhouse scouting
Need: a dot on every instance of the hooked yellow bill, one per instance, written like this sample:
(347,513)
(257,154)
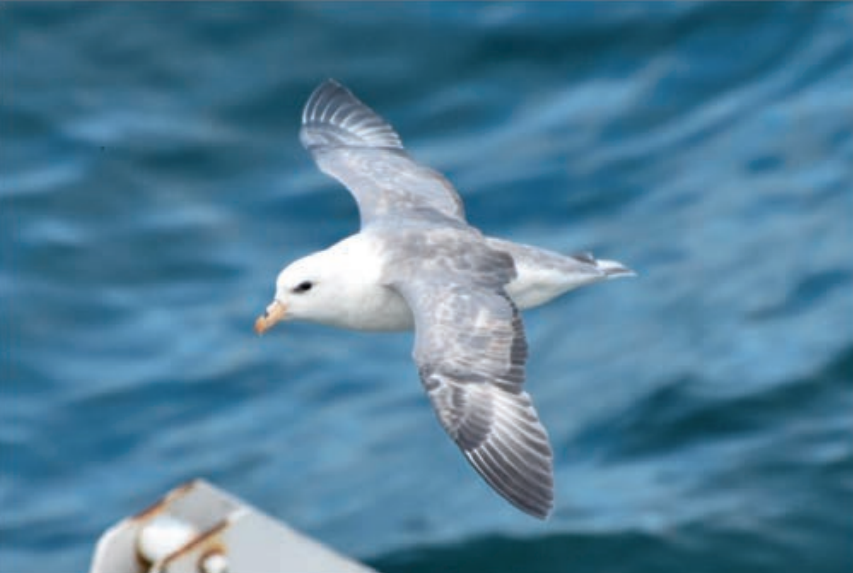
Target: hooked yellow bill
(274,313)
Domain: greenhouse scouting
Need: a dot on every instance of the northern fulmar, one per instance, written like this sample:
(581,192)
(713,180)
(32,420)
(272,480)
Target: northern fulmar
(418,263)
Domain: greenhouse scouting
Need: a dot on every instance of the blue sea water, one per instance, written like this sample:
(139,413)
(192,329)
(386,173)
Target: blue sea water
(152,185)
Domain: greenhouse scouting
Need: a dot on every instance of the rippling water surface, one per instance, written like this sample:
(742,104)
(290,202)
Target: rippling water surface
(152,185)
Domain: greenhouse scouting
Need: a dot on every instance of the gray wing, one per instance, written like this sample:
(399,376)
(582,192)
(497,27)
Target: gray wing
(350,142)
(470,351)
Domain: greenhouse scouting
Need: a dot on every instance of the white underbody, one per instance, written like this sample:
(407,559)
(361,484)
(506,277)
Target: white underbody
(382,309)
(367,304)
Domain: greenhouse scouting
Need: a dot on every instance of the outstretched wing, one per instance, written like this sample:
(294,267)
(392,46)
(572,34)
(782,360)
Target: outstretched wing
(350,142)
(470,351)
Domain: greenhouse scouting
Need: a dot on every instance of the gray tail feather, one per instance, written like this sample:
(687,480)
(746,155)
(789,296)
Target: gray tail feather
(612,269)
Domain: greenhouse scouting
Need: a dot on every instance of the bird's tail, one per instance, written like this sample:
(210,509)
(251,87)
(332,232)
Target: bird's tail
(611,269)
(614,269)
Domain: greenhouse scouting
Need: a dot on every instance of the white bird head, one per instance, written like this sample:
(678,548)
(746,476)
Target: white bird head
(305,290)
(342,287)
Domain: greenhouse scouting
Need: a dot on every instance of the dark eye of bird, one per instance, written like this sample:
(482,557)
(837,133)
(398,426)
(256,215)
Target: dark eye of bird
(304,286)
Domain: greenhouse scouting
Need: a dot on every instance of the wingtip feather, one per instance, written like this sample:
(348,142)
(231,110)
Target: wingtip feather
(333,116)
(516,459)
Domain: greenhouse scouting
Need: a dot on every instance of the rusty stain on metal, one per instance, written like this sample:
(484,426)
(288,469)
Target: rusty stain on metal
(141,560)
(160,504)
(156,508)
(210,541)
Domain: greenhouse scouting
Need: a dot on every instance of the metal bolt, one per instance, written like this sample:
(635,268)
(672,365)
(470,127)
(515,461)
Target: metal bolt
(214,562)
(162,536)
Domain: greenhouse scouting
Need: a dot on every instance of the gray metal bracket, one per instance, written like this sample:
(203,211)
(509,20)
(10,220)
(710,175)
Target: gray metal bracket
(198,528)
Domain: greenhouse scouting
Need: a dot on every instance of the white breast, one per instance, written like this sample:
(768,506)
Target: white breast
(364,303)
(382,309)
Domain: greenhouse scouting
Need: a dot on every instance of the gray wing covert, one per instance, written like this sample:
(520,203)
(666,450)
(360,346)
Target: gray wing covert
(470,351)
(353,144)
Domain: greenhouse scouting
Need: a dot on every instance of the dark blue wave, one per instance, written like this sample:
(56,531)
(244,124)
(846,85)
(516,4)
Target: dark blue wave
(152,185)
